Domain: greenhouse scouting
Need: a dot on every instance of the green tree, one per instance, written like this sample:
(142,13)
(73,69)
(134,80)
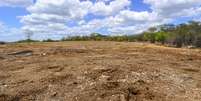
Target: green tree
(161,37)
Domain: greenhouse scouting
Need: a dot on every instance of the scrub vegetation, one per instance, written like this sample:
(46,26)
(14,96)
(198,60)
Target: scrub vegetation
(183,35)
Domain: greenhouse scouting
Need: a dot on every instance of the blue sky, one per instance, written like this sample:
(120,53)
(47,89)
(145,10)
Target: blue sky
(9,16)
(58,18)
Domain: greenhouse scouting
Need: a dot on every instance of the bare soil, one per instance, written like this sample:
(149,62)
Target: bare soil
(99,71)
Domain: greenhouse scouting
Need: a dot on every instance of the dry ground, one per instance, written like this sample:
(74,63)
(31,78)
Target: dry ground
(99,71)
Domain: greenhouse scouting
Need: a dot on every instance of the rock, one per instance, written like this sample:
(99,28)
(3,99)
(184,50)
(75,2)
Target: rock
(22,53)
(191,47)
(54,94)
(43,54)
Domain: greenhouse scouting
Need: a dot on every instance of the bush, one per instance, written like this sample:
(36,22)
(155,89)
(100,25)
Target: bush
(49,40)
(149,37)
(198,41)
(1,42)
(27,41)
(178,42)
(161,37)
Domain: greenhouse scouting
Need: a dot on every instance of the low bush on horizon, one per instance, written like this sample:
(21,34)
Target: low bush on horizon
(27,41)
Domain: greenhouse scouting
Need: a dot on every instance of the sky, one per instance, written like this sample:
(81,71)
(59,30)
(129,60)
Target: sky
(59,18)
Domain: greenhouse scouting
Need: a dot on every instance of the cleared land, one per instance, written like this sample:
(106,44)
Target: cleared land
(99,71)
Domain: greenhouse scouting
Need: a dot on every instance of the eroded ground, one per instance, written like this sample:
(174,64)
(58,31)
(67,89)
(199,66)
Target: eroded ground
(99,71)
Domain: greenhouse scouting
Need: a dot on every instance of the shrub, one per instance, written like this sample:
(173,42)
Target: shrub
(49,40)
(198,41)
(161,37)
(27,41)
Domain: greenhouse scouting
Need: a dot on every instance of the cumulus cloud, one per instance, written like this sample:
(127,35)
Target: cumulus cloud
(16,3)
(50,16)
(73,9)
(175,8)
(114,16)
(101,8)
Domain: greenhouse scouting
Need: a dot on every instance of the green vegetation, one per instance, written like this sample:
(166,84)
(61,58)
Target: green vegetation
(187,34)
(27,41)
(99,37)
(50,40)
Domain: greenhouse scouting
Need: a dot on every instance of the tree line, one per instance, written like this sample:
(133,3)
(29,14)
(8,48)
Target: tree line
(185,34)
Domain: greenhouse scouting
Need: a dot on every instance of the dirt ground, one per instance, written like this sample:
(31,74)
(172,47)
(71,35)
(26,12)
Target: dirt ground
(99,71)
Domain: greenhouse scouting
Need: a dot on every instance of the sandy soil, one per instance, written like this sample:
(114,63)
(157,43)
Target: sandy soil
(99,71)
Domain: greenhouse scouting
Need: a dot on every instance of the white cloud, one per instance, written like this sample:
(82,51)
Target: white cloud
(73,9)
(16,3)
(50,16)
(141,17)
(128,29)
(101,8)
(116,16)
(127,21)
(42,19)
(174,8)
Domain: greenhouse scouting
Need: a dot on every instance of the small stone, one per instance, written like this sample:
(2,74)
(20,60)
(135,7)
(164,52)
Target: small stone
(43,54)
(54,94)
(75,83)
